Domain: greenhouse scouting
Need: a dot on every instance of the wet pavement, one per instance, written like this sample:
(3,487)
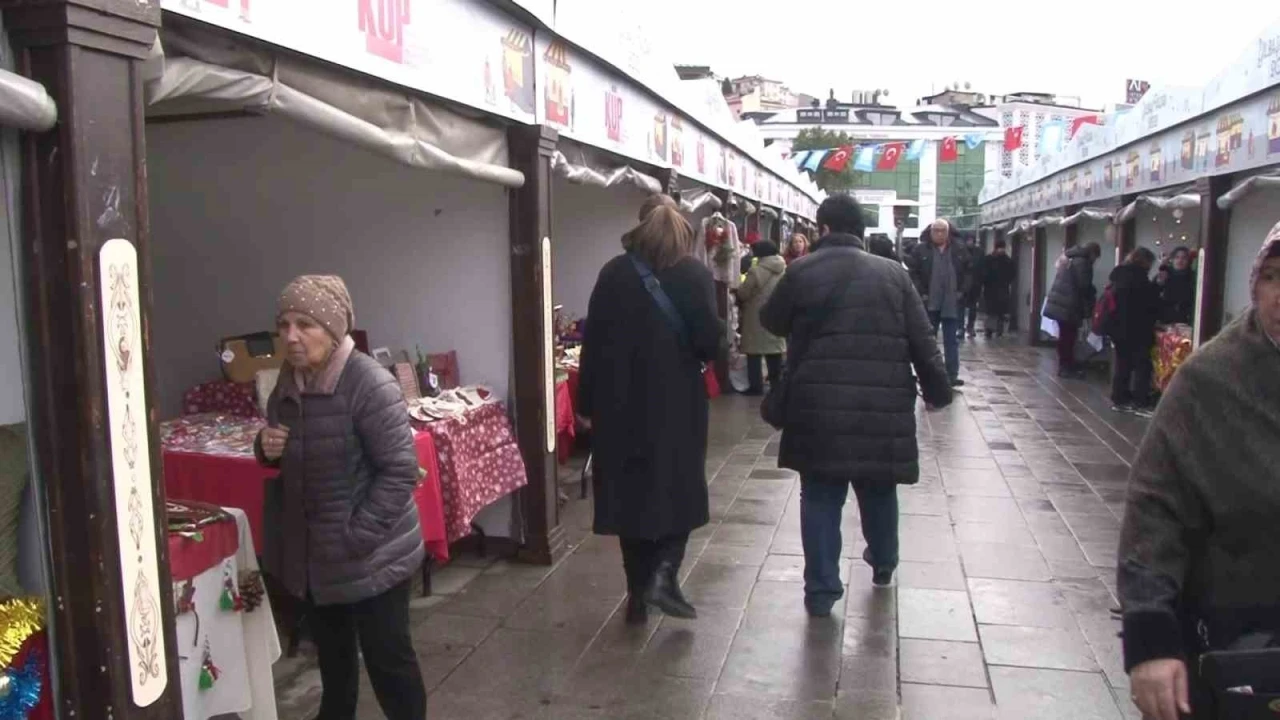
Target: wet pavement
(1002,608)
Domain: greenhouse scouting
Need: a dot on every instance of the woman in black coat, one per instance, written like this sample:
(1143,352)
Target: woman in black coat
(998,272)
(1133,331)
(641,390)
(1178,294)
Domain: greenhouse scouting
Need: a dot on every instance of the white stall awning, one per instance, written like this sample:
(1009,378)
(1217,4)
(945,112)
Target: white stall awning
(208,72)
(25,104)
(1237,193)
(582,165)
(1185,201)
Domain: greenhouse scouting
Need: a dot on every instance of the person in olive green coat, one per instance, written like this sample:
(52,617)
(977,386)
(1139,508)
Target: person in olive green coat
(758,343)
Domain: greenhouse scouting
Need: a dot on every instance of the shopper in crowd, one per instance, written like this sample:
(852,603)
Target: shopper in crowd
(940,271)
(855,329)
(797,248)
(973,296)
(651,324)
(758,344)
(1198,548)
(1070,301)
(342,528)
(882,246)
(1133,331)
(998,273)
(1178,291)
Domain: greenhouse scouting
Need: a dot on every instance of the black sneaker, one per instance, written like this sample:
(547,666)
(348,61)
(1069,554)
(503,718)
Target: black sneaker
(1143,411)
(818,608)
(957,382)
(1122,408)
(882,578)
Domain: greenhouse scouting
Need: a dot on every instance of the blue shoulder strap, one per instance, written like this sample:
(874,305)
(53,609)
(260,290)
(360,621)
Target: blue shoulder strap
(668,308)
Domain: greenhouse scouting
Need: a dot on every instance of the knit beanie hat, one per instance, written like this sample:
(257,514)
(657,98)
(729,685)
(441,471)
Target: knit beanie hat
(323,298)
(1270,249)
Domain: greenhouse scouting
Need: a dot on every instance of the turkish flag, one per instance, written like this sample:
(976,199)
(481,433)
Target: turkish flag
(892,153)
(948,153)
(1081,121)
(1013,137)
(839,159)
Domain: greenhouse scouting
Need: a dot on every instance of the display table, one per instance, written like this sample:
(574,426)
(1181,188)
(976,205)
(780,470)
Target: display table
(1173,347)
(234,647)
(479,464)
(566,423)
(209,458)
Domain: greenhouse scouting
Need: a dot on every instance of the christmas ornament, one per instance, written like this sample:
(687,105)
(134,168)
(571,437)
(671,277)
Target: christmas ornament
(230,599)
(20,686)
(208,671)
(715,236)
(252,590)
(20,618)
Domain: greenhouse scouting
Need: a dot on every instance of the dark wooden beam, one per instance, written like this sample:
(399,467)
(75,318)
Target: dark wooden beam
(85,184)
(1015,292)
(1039,247)
(1215,225)
(531,148)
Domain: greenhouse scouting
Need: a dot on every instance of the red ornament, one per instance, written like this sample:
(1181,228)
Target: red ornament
(715,236)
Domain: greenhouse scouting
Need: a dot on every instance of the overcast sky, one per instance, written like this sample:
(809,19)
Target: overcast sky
(1084,48)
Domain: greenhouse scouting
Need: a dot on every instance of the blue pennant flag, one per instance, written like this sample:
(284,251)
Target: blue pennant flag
(799,158)
(1052,137)
(815,160)
(916,149)
(973,140)
(865,158)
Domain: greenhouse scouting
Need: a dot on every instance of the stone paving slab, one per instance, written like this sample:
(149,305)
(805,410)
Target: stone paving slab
(1002,606)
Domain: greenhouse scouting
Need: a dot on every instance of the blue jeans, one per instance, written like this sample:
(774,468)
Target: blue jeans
(950,341)
(821,507)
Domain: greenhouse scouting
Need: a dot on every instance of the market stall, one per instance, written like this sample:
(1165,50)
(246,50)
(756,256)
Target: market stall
(413,218)
(1253,213)
(1022,306)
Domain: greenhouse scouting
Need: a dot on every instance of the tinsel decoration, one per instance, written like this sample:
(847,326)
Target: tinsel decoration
(20,618)
(251,590)
(208,671)
(230,599)
(185,600)
(20,686)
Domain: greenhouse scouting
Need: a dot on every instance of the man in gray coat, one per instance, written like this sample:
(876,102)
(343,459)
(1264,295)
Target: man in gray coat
(940,271)
(855,329)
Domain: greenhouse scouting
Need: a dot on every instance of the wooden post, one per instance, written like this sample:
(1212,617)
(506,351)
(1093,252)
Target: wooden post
(1072,230)
(85,200)
(1126,232)
(1214,230)
(533,396)
(1015,291)
(1039,247)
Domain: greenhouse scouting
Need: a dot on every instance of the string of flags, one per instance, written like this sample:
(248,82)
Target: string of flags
(880,156)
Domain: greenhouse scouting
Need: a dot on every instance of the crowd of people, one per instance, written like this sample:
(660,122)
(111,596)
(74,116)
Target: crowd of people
(1197,581)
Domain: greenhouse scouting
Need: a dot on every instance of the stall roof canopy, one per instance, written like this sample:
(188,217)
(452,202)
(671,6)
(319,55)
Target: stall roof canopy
(24,104)
(475,54)
(202,73)
(1173,136)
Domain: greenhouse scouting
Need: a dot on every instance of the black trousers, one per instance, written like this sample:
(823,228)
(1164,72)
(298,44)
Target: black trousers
(1131,376)
(755,380)
(381,626)
(641,557)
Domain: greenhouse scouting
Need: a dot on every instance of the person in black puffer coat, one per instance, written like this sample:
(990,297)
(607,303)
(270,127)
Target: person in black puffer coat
(1133,331)
(343,531)
(1178,295)
(1070,301)
(855,328)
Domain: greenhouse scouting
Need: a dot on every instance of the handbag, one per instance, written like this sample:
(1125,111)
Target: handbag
(1243,679)
(773,408)
(672,315)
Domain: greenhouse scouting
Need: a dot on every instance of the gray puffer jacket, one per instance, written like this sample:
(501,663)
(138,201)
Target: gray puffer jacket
(341,521)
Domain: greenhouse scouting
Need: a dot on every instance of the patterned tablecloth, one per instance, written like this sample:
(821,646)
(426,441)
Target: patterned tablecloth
(479,464)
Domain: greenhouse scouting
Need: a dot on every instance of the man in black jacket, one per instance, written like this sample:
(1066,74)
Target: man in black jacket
(855,328)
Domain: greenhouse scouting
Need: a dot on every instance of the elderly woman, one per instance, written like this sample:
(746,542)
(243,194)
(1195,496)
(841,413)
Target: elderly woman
(757,343)
(1197,558)
(651,324)
(342,527)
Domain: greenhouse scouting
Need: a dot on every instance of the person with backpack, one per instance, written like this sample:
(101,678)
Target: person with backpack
(1127,313)
(1070,303)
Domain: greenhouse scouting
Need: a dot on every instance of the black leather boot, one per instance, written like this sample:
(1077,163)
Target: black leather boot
(637,610)
(665,594)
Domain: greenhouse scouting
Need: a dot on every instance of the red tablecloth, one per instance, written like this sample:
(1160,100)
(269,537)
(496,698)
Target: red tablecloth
(238,481)
(566,425)
(479,464)
(189,556)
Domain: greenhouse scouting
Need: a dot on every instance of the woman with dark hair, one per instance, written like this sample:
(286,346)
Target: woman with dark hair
(759,344)
(1198,548)
(1070,301)
(1133,331)
(1178,294)
(651,324)
(998,273)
